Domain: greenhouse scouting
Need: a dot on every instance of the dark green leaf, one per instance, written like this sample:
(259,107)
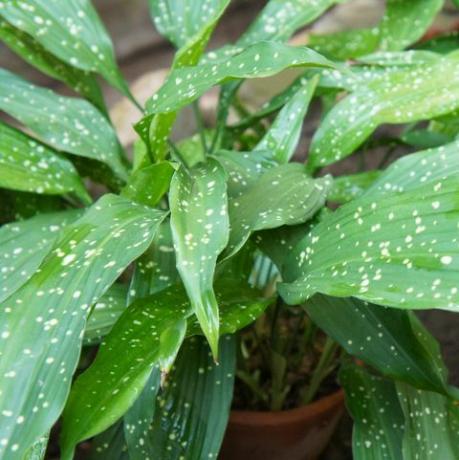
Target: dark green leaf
(200,230)
(72,31)
(346,188)
(25,244)
(394,246)
(386,338)
(34,53)
(30,166)
(50,311)
(110,445)
(69,124)
(293,198)
(103,393)
(193,409)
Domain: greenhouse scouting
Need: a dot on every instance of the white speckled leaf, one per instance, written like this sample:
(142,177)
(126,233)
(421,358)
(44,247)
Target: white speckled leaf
(29,166)
(69,124)
(24,245)
(346,188)
(34,53)
(388,339)
(396,245)
(284,195)
(71,30)
(263,59)
(200,231)
(105,313)
(192,410)
(122,367)
(410,94)
(378,418)
(50,311)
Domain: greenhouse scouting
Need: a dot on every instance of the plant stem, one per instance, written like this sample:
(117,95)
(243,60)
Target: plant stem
(321,370)
(200,125)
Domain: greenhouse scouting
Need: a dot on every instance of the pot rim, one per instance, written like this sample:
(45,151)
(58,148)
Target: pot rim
(331,402)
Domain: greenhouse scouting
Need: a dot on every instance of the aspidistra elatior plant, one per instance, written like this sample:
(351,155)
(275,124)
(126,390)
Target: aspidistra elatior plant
(158,272)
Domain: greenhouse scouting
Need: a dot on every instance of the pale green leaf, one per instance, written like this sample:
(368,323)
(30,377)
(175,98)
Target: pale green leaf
(25,244)
(293,198)
(386,338)
(395,245)
(31,51)
(29,166)
(69,124)
(70,30)
(50,312)
(103,393)
(402,96)
(193,409)
(200,230)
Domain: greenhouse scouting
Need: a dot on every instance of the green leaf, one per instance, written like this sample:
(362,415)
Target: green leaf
(293,198)
(104,392)
(378,418)
(149,184)
(50,311)
(346,188)
(193,409)
(69,124)
(25,244)
(390,98)
(38,450)
(284,134)
(200,230)
(395,245)
(386,338)
(72,31)
(31,51)
(105,313)
(431,425)
(30,166)
(110,445)
(264,59)
(188,25)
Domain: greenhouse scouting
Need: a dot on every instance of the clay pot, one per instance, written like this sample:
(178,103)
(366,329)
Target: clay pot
(296,434)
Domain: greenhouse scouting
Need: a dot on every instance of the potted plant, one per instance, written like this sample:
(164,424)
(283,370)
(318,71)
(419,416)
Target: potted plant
(126,319)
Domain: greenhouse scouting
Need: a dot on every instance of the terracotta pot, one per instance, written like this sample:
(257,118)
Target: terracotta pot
(296,434)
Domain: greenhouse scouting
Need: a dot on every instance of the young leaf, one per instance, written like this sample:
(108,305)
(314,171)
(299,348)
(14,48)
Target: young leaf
(394,246)
(72,31)
(284,134)
(105,313)
(122,367)
(50,311)
(25,244)
(28,165)
(193,409)
(391,98)
(263,59)
(31,51)
(386,338)
(293,198)
(378,418)
(200,230)
(69,124)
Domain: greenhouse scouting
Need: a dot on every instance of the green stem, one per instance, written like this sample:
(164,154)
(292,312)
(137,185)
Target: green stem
(321,370)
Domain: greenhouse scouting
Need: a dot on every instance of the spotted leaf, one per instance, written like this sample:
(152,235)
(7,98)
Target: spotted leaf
(50,310)
(394,246)
(293,198)
(30,166)
(72,31)
(402,96)
(263,59)
(346,188)
(200,230)
(391,340)
(193,408)
(103,393)
(25,244)
(69,124)
(35,54)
